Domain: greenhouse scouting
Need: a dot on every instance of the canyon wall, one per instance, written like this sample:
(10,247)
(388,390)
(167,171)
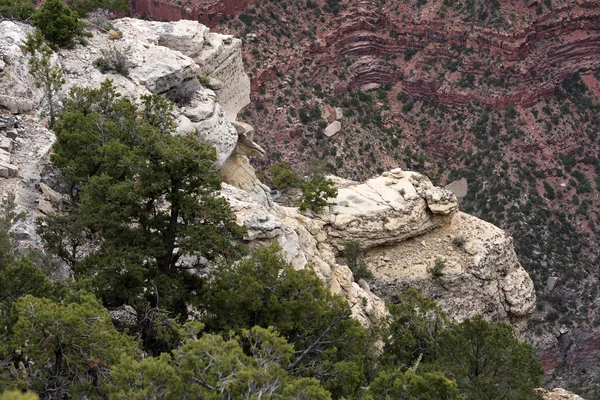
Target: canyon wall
(207,12)
(385,213)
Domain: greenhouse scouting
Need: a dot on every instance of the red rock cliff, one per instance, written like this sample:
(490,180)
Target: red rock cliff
(207,12)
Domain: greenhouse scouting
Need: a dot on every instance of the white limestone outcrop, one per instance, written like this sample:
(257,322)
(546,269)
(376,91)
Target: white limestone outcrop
(18,92)
(161,56)
(405,226)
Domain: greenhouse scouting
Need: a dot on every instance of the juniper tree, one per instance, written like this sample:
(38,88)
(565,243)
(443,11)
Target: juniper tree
(47,75)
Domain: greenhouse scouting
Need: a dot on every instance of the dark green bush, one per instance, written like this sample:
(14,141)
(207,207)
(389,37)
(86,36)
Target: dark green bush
(57,23)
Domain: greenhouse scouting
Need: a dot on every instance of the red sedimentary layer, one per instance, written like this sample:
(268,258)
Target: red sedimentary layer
(577,349)
(207,12)
(533,60)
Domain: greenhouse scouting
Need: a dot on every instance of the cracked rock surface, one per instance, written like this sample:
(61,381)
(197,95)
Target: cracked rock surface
(480,274)
(405,225)
(387,209)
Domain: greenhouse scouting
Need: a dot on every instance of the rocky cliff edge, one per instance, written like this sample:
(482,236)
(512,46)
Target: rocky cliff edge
(406,227)
(411,231)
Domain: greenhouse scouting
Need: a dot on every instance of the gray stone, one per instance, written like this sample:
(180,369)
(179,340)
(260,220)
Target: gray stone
(364,284)
(11,133)
(4,156)
(5,144)
(333,128)
(339,113)
(55,197)
(124,317)
(185,126)
(8,170)
(7,122)
(459,188)
(45,206)
(18,92)
(551,282)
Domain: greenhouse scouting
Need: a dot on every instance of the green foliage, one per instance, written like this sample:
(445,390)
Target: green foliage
(149,194)
(46,75)
(83,7)
(437,271)
(18,395)
(316,194)
(488,362)
(113,60)
(413,329)
(283,176)
(266,291)
(246,19)
(409,53)
(410,385)
(57,23)
(408,106)
(210,367)
(356,262)
(8,217)
(67,350)
(17,9)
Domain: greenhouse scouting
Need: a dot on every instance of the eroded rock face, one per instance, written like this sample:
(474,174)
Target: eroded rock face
(387,209)
(208,12)
(405,225)
(558,394)
(305,245)
(160,58)
(17,87)
(478,271)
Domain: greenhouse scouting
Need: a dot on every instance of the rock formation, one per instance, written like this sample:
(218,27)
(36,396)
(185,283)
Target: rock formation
(558,394)
(400,219)
(530,57)
(404,224)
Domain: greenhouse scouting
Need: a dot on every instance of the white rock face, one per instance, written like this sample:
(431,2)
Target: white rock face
(304,244)
(222,60)
(160,59)
(481,272)
(558,394)
(386,210)
(405,225)
(17,87)
(333,128)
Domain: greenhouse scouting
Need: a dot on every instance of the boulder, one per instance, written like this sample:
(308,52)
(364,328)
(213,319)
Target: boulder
(7,122)
(8,170)
(386,210)
(124,317)
(45,206)
(557,394)
(4,156)
(459,188)
(333,128)
(5,144)
(55,198)
(184,36)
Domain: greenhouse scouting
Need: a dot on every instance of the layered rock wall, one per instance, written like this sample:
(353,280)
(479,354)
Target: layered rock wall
(527,60)
(207,12)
